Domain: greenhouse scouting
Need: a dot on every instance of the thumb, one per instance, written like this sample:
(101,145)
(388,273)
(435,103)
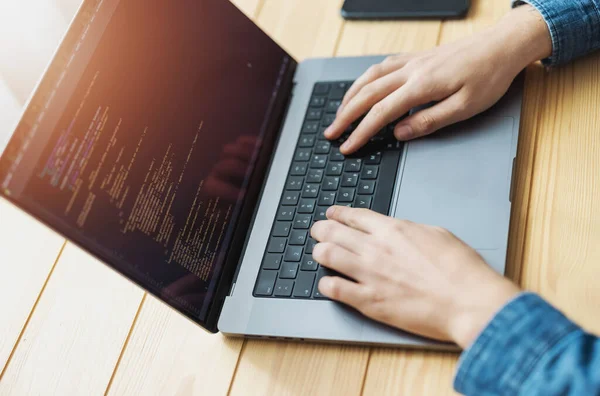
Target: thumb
(424,122)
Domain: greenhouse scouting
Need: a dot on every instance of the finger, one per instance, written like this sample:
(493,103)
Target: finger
(427,121)
(382,113)
(363,220)
(375,72)
(364,100)
(338,259)
(338,233)
(343,290)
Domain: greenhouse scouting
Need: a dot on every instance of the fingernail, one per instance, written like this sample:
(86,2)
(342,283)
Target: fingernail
(347,145)
(330,212)
(324,285)
(403,132)
(327,132)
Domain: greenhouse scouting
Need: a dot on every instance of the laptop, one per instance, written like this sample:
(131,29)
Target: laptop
(180,145)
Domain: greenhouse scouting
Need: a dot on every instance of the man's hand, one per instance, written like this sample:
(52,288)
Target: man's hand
(415,277)
(465,78)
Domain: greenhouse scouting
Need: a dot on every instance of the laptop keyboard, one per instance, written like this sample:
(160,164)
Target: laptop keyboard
(320,176)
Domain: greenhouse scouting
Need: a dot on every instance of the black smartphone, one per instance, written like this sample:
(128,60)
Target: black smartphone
(400,9)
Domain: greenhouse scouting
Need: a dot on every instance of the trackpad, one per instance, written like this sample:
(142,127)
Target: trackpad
(459,179)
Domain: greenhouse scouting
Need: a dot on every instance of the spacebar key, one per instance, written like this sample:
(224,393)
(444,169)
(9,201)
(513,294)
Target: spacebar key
(266,283)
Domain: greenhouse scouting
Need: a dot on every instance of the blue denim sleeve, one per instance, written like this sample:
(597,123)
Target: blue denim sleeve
(574,27)
(530,348)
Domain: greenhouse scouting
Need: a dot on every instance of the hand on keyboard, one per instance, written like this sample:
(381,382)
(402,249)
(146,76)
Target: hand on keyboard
(466,78)
(415,277)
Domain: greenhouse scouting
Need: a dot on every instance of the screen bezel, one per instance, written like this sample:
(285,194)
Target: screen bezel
(250,203)
(365,12)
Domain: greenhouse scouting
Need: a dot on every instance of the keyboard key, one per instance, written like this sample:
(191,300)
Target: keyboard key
(331,183)
(290,198)
(293,254)
(333,106)
(298,237)
(304,284)
(314,114)
(271,261)
(266,282)
(310,127)
(335,155)
(302,154)
(288,270)
(353,165)
(283,288)
(286,214)
(310,191)
(338,91)
(373,159)
(282,229)
(366,187)
(321,213)
(327,198)
(294,183)
(321,89)
(334,169)
(302,222)
(298,169)
(318,161)
(345,195)
(317,101)
(308,263)
(321,134)
(350,180)
(310,245)
(363,201)
(307,205)
(328,120)
(276,245)
(314,176)
(369,172)
(323,147)
(306,141)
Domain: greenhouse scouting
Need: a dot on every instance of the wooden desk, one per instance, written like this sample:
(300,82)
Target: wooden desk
(69,325)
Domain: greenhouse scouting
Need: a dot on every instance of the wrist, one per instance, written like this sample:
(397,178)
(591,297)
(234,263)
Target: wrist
(524,36)
(479,308)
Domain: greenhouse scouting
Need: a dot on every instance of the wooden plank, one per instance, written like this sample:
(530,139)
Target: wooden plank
(387,37)
(562,251)
(76,333)
(289,368)
(169,354)
(304,28)
(396,372)
(23,271)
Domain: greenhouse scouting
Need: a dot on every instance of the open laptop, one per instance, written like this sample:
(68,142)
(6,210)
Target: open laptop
(180,145)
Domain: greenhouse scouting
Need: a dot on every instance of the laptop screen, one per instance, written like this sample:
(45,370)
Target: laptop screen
(143,136)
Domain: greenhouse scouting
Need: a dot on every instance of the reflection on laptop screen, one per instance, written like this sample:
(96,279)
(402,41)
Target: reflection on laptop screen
(143,140)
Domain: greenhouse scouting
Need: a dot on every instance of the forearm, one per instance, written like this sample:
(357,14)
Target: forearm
(530,348)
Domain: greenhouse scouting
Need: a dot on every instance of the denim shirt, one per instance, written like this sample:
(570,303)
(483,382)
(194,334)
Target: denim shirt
(574,27)
(530,348)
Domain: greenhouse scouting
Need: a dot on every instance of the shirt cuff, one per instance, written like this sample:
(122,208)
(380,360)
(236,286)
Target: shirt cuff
(574,27)
(507,351)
